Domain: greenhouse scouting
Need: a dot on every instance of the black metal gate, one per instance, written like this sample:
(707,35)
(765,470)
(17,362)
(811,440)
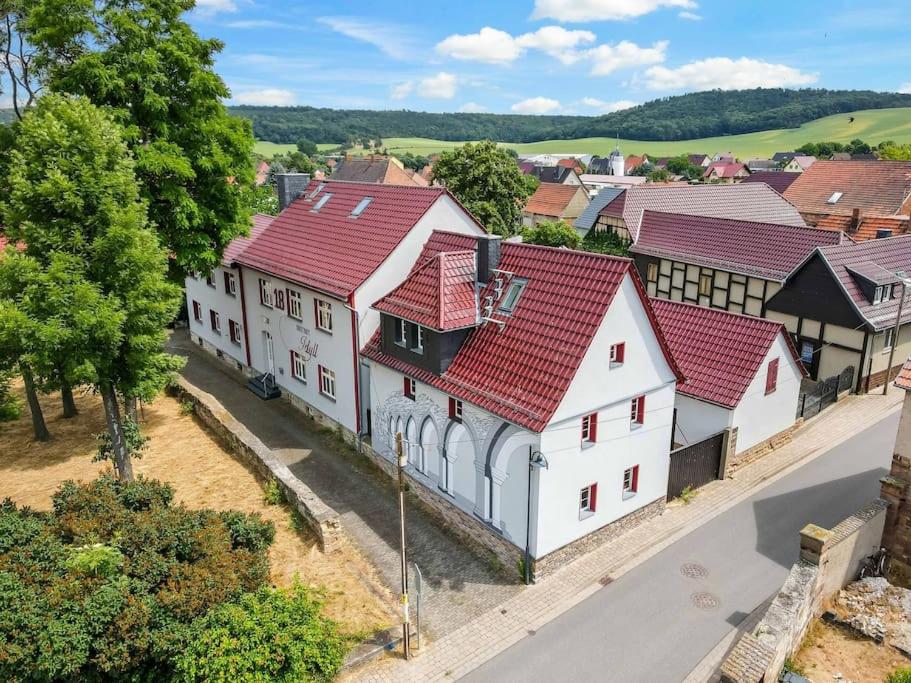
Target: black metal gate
(815,397)
(695,465)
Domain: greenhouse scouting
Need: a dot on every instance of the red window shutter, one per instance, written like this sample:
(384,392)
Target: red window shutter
(642,410)
(635,478)
(594,497)
(316,312)
(621,349)
(452,408)
(227,283)
(771,379)
(212,318)
(593,427)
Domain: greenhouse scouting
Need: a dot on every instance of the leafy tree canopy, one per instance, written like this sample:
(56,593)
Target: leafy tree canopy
(552,234)
(487,181)
(155,75)
(305,146)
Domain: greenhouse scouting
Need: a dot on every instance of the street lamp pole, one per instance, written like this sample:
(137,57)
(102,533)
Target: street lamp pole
(400,461)
(537,460)
(898,320)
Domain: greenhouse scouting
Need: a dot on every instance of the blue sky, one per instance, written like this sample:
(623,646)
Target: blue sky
(548,56)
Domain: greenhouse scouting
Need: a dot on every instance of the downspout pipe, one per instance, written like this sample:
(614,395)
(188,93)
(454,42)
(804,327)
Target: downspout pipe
(356,343)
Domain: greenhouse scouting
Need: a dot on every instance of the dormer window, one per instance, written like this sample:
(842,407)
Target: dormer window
(419,340)
(361,205)
(835,197)
(882,293)
(322,201)
(511,298)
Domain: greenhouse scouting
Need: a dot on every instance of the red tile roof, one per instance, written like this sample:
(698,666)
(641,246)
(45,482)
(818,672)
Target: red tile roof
(903,381)
(615,206)
(439,293)
(522,371)
(764,250)
(777,180)
(723,169)
(329,250)
(876,187)
(260,222)
(719,352)
(551,199)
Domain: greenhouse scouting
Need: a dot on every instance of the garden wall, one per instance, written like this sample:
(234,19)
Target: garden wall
(243,444)
(829,560)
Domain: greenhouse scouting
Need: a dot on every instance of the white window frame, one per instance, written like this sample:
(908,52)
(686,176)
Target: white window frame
(635,419)
(233,326)
(324,316)
(210,280)
(585,502)
(888,339)
(327,382)
(458,410)
(412,391)
(215,317)
(197,312)
(878,294)
(652,269)
(587,428)
(265,293)
(298,367)
(401,332)
(614,356)
(294,305)
(232,284)
(629,477)
(419,340)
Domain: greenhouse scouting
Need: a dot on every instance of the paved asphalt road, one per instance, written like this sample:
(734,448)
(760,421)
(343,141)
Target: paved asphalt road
(645,627)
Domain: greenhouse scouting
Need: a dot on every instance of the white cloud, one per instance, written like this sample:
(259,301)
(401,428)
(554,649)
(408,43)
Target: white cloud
(905,88)
(442,86)
(536,105)
(276,97)
(401,90)
(391,39)
(726,74)
(557,42)
(487,45)
(606,59)
(692,16)
(607,107)
(602,10)
(472,108)
(209,7)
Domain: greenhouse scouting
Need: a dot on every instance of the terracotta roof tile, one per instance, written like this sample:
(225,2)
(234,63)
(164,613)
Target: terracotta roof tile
(718,352)
(551,199)
(328,249)
(777,180)
(723,169)
(762,249)
(903,381)
(522,372)
(260,222)
(877,187)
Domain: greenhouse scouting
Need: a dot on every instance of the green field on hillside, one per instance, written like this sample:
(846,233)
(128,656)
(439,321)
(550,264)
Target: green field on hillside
(268,149)
(871,125)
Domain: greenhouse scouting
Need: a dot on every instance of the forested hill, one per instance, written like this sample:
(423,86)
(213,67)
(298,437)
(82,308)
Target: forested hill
(683,117)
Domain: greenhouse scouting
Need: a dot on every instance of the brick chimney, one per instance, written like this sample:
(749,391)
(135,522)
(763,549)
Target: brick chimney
(855,221)
(488,256)
(290,186)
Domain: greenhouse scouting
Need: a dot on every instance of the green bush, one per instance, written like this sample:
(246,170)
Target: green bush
(552,234)
(605,242)
(902,675)
(273,494)
(107,585)
(10,408)
(270,635)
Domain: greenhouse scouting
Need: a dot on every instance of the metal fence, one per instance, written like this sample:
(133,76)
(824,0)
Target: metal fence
(695,465)
(815,397)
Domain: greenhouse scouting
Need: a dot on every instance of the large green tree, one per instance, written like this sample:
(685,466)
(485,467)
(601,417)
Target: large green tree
(72,192)
(145,64)
(552,234)
(487,181)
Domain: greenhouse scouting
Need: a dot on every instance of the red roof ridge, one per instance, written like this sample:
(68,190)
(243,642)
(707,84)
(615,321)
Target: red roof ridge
(742,220)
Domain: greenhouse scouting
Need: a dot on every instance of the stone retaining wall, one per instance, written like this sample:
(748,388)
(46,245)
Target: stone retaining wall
(829,560)
(243,444)
(760,450)
(896,490)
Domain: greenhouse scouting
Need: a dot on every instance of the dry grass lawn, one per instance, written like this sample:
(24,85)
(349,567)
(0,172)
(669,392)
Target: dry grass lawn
(829,650)
(203,475)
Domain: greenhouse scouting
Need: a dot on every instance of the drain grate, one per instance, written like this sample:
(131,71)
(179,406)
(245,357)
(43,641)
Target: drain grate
(705,601)
(694,571)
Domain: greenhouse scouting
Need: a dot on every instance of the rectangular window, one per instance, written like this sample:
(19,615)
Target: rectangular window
(588,501)
(321,202)
(888,338)
(230,284)
(705,285)
(877,295)
(294,305)
(215,321)
(323,312)
(298,369)
(361,205)
(590,428)
(234,331)
(455,409)
(806,352)
(197,312)
(401,332)
(210,280)
(419,340)
(410,388)
(326,382)
(652,272)
(617,353)
(630,481)
(265,292)
(771,378)
(637,411)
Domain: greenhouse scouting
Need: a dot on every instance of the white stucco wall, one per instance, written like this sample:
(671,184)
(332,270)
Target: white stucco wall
(227,306)
(759,416)
(698,420)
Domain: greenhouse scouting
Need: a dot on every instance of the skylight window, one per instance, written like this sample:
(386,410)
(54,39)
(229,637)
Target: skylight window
(361,205)
(316,191)
(835,197)
(511,298)
(322,201)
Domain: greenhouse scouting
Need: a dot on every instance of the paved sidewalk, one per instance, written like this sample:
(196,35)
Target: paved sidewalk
(468,647)
(459,586)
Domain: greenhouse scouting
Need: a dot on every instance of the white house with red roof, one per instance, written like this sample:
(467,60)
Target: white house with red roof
(215,303)
(742,373)
(306,281)
(493,354)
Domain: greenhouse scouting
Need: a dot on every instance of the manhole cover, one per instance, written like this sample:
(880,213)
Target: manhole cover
(705,601)
(694,571)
